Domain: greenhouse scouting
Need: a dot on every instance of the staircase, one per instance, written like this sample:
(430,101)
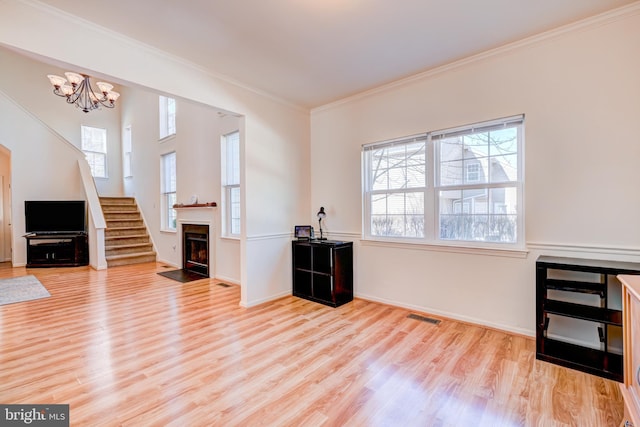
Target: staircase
(126,237)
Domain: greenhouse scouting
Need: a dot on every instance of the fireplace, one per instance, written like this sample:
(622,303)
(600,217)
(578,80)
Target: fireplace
(195,248)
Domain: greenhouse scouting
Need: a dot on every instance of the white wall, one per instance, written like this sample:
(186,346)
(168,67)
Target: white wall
(197,144)
(275,148)
(25,80)
(44,166)
(580,92)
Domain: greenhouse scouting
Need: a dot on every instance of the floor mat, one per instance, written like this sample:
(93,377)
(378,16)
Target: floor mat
(182,276)
(24,288)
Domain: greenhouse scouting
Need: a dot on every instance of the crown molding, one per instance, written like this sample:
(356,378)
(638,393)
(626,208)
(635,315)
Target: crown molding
(587,23)
(136,44)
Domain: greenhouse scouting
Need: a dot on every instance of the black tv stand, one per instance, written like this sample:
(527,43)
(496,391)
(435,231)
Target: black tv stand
(57,249)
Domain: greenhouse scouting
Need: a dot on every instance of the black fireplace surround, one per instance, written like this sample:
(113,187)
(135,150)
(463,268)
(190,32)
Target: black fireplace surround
(195,248)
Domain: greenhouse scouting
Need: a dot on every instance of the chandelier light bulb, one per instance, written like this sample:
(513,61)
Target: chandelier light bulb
(57,81)
(66,89)
(104,87)
(74,78)
(113,96)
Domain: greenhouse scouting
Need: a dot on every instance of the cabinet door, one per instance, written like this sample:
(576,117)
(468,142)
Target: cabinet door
(38,253)
(64,251)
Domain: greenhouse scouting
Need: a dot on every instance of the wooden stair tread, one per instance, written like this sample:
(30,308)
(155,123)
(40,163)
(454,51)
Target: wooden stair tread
(125,236)
(134,227)
(127,245)
(133,255)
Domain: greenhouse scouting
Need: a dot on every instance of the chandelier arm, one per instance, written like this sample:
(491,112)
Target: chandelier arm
(56,91)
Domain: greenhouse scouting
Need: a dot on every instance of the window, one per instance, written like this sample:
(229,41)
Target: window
(167,117)
(231,183)
(457,185)
(168,196)
(473,172)
(94,145)
(397,174)
(126,152)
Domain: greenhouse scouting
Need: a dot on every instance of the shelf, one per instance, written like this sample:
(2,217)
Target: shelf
(584,312)
(575,286)
(195,205)
(589,265)
(608,322)
(323,271)
(592,361)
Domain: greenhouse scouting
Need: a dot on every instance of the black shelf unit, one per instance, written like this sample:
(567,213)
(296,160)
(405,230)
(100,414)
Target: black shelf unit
(323,271)
(602,362)
(57,250)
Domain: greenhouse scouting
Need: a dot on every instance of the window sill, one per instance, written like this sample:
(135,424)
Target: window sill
(168,231)
(234,238)
(167,138)
(459,248)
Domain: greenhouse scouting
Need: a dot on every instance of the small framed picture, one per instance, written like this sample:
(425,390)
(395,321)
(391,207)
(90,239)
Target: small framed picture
(303,232)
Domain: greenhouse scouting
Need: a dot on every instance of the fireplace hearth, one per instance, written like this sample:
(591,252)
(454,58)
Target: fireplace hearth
(195,248)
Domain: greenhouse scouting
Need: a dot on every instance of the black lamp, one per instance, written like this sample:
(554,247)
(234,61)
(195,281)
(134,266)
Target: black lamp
(321,214)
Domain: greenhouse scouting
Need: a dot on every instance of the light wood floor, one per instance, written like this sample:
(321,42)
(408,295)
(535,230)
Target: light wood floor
(126,346)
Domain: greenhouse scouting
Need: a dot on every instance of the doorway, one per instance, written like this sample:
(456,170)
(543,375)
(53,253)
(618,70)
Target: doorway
(5,204)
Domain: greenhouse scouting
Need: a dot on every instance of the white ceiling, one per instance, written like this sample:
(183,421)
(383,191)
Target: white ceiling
(311,52)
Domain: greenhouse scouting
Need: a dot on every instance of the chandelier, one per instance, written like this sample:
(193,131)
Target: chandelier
(77,89)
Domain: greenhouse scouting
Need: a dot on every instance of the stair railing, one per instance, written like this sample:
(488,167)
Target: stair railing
(97,223)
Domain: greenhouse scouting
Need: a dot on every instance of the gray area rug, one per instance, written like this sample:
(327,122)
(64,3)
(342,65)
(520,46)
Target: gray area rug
(19,289)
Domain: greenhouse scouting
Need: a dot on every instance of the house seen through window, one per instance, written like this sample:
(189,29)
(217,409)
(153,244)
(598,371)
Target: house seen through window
(457,185)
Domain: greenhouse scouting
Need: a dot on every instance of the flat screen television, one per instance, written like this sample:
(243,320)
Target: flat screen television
(55,216)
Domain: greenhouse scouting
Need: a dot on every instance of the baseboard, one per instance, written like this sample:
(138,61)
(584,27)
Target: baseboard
(265,300)
(453,316)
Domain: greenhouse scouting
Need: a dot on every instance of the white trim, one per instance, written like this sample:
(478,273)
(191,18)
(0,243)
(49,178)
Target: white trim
(257,237)
(588,249)
(453,248)
(585,24)
(333,235)
(249,304)
(225,279)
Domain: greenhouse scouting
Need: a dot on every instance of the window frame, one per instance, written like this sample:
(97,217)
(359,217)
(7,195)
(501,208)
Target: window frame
(231,190)
(127,149)
(432,232)
(167,113)
(168,196)
(87,152)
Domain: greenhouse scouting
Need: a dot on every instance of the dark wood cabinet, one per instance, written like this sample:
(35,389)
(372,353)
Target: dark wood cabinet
(561,287)
(57,250)
(323,271)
